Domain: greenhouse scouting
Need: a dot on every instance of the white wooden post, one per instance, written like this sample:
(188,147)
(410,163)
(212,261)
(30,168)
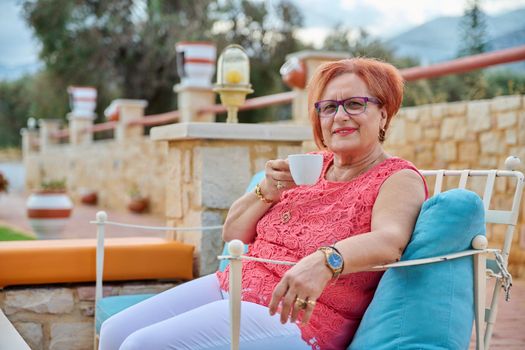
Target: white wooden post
(235,248)
(101,219)
(480,284)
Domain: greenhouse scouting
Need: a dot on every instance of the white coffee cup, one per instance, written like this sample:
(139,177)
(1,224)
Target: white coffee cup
(305,168)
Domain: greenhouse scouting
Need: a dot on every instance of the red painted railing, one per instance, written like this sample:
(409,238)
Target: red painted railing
(254,103)
(465,64)
(158,119)
(457,66)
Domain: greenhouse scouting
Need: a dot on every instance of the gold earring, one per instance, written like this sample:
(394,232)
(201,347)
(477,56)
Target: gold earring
(382,133)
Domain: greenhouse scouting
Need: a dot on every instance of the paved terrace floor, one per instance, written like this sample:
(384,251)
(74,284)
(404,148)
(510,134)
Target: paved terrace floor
(13,213)
(509,333)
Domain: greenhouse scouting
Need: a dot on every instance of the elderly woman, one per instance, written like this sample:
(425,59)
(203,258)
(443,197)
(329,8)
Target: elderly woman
(359,214)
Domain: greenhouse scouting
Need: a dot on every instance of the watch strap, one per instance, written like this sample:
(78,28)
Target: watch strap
(328,251)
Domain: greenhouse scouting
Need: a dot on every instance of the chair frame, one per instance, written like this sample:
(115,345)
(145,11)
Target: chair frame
(483,268)
(101,222)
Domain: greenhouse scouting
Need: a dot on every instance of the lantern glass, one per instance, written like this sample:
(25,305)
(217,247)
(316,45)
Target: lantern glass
(233,67)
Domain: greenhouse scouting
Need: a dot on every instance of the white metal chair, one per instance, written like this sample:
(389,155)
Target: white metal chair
(106,307)
(484,268)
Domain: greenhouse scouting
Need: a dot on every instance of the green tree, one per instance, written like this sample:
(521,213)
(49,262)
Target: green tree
(362,44)
(117,46)
(473,30)
(14,106)
(266,31)
(473,33)
(505,82)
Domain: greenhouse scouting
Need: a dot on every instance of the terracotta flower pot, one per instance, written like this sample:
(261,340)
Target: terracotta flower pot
(138,205)
(293,73)
(89,198)
(48,212)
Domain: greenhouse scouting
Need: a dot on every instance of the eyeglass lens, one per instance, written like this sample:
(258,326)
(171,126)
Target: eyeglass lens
(351,106)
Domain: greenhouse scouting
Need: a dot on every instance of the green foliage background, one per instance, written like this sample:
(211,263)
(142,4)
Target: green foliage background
(126,49)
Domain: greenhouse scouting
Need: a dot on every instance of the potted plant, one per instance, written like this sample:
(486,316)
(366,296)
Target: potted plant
(49,208)
(88,197)
(4,184)
(138,203)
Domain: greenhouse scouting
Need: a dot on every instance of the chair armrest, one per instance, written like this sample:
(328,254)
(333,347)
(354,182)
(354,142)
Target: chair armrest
(434,259)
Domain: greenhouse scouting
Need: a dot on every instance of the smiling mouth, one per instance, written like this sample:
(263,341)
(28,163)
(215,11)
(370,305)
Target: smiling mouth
(344,131)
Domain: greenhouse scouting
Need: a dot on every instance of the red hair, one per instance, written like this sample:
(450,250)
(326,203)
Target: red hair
(384,81)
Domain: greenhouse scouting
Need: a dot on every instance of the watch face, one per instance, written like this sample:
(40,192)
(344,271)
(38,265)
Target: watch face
(335,261)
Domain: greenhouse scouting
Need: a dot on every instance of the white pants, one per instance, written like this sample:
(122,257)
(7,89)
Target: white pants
(195,315)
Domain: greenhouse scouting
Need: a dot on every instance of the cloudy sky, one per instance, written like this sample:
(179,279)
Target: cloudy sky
(383,18)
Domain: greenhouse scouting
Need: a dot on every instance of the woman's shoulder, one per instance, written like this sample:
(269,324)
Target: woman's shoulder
(397,163)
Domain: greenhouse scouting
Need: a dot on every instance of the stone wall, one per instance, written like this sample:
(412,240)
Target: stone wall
(10,155)
(468,135)
(61,317)
(111,168)
(210,165)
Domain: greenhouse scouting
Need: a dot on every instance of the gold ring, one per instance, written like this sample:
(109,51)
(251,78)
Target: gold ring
(300,303)
(311,302)
(279,185)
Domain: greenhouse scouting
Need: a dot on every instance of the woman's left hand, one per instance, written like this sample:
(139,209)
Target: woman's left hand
(300,287)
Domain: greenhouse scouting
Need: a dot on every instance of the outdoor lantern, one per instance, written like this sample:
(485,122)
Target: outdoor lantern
(233,79)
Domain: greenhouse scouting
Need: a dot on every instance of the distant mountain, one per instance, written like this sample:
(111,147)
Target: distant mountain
(439,40)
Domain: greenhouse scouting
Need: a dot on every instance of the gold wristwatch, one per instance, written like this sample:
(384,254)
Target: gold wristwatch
(333,260)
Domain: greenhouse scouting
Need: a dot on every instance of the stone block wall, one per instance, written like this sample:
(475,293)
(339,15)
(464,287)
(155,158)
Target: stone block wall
(468,135)
(61,317)
(210,166)
(110,168)
(200,192)
(10,155)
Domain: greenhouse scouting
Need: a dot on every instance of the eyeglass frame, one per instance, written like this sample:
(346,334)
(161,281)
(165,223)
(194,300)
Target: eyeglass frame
(341,103)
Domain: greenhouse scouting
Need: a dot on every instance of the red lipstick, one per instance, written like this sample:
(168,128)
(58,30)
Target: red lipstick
(344,131)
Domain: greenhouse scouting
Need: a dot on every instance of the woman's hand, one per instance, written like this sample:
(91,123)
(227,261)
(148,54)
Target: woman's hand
(278,179)
(300,287)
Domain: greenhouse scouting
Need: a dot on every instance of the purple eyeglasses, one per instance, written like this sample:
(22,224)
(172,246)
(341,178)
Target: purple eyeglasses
(352,106)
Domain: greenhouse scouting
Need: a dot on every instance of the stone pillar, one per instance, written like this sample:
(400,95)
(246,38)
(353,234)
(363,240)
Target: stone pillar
(311,60)
(48,127)
(78,130)
(30,147)
(191,99)
(83,101)
(29,141)
(209,166)
(127,112)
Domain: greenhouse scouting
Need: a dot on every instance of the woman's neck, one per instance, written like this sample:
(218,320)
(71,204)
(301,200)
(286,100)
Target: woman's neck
(347,168)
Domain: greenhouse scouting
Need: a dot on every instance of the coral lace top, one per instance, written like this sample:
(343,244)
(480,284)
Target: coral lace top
(306,218)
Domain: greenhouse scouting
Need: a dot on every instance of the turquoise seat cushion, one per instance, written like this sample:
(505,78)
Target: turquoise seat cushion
(109,306)
(257,178)
(428,306)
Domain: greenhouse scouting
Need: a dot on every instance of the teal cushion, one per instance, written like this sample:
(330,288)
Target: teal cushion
(428,306)
(109,306)
(257,178)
